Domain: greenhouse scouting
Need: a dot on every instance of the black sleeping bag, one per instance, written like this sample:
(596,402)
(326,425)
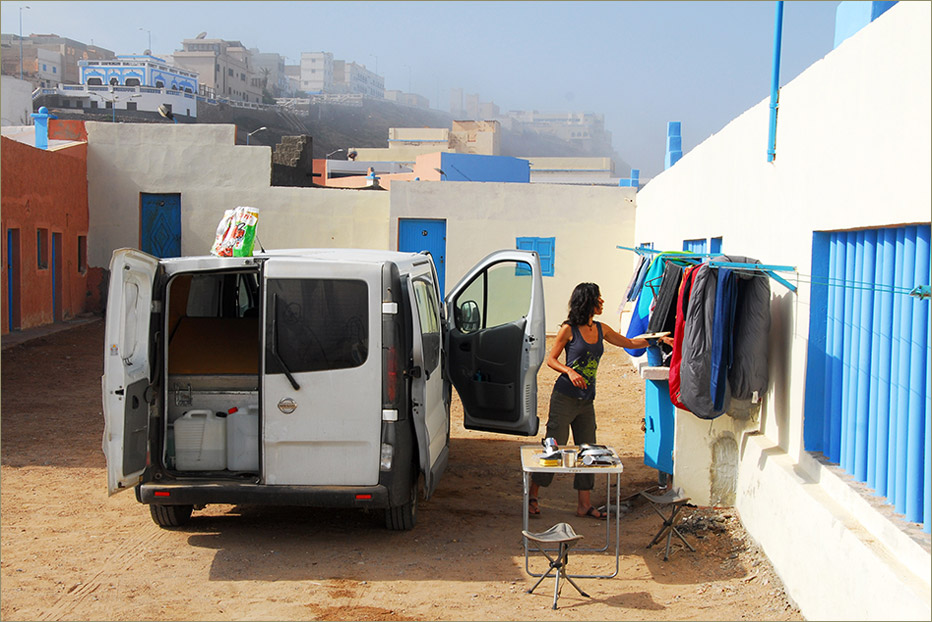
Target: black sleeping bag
(751,331)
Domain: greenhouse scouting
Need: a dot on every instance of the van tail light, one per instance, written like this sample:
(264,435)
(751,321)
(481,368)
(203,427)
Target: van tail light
(162,493)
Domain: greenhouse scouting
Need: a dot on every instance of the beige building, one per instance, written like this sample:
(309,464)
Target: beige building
(224,68)
(349,77)
(69,53)
(316,72)
(406,144)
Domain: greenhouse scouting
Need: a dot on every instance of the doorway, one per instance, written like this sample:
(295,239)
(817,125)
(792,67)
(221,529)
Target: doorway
(425,234)
(160,224)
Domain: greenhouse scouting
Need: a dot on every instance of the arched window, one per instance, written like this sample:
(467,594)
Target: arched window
(132,82)
(159,84)
(95,82)
(114,82)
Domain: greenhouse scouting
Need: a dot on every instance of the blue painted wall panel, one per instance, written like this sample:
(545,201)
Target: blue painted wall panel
(470,167)
(423,234)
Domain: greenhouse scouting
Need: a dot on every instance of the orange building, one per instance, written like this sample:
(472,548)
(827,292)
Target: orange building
(44,210)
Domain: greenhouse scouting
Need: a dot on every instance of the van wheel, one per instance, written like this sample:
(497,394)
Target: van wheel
(403,517)
(170,515)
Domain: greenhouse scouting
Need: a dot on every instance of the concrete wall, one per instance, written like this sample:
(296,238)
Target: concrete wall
(482,217)
(15,101)
(852,151)
(212,175)
(43,190)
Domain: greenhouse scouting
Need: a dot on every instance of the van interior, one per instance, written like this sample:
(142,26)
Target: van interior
(211,423)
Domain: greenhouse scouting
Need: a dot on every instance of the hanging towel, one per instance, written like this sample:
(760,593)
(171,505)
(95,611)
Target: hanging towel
(641,314)
(682,304)
(695,367)
(637,278)
(722,326)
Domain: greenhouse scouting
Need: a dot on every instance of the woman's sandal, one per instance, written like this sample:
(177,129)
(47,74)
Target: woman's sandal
(533,507)
(593,513)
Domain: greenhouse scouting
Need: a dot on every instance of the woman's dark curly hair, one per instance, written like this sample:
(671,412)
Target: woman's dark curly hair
(583,302)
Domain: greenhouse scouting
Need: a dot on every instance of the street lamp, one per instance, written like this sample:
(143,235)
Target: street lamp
(150,38)
(253,132)
(21,41)
(333,152)
(114,98)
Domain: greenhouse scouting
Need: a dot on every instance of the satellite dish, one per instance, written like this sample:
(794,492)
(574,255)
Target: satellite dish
(202,35)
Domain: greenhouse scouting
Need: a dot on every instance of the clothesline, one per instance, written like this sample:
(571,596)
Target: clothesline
(769,270)
(922,292)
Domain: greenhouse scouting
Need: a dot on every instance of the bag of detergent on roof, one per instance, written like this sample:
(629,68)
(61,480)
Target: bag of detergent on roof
(236,233)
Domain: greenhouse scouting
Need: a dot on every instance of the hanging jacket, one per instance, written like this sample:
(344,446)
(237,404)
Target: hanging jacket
(748,373)
(696,363)
(663,315)
(682,305)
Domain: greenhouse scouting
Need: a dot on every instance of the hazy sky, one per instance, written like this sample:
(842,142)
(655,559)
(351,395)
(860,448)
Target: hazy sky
(640,64)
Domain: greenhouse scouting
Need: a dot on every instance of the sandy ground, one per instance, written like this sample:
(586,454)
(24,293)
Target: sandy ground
(70,552)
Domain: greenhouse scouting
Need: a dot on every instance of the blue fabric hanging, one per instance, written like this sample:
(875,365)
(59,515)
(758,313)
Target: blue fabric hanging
(641,314)
(722,325)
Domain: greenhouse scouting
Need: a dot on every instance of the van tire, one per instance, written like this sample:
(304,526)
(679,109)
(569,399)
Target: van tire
(403,517)
(168,516)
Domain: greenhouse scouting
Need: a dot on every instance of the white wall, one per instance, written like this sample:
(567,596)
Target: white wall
(15,101)
(212,174)
(852,151)
(588,223)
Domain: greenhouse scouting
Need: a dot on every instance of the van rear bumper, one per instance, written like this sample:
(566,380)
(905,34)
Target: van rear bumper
(202,493)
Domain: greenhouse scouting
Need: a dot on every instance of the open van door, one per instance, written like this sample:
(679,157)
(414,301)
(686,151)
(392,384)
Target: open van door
(496,342)
(126,367)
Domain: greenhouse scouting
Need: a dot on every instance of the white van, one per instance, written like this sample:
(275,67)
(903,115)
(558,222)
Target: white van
(314,377)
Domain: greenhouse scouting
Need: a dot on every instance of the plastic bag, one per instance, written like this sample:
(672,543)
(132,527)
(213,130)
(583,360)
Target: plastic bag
(236,233)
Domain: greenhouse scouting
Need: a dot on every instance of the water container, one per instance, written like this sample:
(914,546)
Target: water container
(243,440)
(200,441)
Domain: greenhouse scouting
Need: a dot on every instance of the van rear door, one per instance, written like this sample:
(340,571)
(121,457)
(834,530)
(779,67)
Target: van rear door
(126,367)
(321,386)
(496,342)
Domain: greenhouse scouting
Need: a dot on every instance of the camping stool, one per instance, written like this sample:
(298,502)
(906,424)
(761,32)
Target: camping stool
(672,500)
(563,535)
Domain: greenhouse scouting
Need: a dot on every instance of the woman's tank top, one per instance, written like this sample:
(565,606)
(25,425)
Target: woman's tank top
(584,358)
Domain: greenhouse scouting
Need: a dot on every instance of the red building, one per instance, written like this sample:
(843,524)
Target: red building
(44,212)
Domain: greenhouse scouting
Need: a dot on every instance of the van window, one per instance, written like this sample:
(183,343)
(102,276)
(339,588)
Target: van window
(429,314)
(498,295)
(316,325)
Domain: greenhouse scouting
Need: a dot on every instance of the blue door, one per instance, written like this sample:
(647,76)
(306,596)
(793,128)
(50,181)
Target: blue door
(422,234)
(160,224)
(56,278)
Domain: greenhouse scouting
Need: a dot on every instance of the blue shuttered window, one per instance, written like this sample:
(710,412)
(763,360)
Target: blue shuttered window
(867,384)
(545,250)
(695,246)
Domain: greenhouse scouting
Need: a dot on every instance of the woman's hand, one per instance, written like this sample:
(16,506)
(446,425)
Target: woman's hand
(577,379)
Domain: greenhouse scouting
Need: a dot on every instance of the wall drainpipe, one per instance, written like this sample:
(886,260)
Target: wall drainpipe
(775,83)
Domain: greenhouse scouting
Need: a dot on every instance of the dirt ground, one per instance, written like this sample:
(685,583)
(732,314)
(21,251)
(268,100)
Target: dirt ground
(70,552)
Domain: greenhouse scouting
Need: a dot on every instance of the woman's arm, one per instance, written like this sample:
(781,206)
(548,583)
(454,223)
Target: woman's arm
(553,362)
(616,339)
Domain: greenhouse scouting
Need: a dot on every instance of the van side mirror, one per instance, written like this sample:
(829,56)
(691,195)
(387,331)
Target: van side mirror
(468,317)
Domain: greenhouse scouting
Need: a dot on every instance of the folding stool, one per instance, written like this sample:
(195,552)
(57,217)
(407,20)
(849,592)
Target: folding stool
(672,500)
(561,534)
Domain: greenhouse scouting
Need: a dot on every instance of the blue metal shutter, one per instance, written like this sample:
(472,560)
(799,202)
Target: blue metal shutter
(867,389)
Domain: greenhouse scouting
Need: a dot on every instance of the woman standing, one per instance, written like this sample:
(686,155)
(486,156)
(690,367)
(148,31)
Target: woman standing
(571,403)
